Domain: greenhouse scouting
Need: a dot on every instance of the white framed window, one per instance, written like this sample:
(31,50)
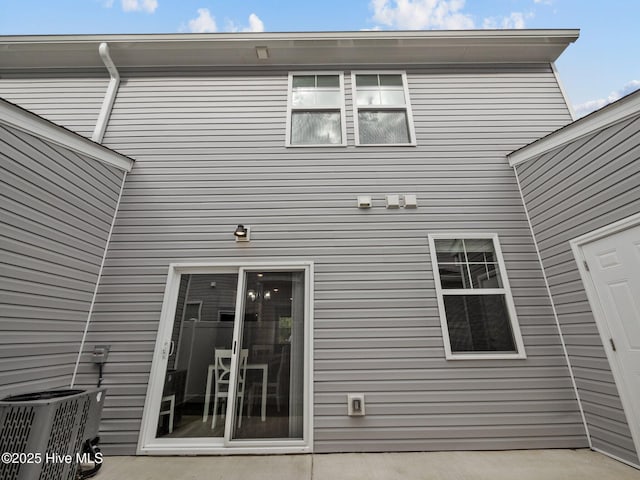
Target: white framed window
(316,110)
(477,313)
(382,109)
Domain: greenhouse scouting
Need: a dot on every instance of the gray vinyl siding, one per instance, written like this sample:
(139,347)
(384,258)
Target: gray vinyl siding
(68,100)
(570,191)
(209,150)
(56,209)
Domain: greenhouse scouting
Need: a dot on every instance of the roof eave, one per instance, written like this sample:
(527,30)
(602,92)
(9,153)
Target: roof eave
(618,111)
(17,117)
(296,48)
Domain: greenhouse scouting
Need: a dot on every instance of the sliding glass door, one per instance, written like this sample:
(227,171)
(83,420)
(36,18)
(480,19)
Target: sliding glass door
(231,368)
(270,334)
(202,327)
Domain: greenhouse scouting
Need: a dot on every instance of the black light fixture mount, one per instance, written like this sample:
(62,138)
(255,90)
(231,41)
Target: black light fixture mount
(241,233)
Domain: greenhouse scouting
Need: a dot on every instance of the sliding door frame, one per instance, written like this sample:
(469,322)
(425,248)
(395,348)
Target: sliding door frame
(148,443)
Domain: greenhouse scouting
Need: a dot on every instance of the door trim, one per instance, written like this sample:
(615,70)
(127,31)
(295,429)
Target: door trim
(577,245)
(148,444)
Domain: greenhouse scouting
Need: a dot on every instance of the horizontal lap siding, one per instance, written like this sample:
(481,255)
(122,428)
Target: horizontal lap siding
(209,155)
(69,100)
(570,191)
(55,212)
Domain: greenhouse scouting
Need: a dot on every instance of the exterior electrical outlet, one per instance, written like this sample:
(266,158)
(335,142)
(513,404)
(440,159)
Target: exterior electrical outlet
(355,404)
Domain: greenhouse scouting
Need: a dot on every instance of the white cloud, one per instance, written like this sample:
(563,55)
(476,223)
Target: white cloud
(203,23)
(585,108)
(255,25)
(148,6)
(107,3)
(436,14)
(544,2)
(515,20)
(419,14)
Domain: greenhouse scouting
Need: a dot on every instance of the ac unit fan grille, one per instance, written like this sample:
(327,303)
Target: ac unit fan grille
(14,434)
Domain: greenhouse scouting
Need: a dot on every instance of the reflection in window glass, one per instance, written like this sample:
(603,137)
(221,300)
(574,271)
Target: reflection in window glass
(273,339)
(203,300)
(315,128)
(384,126)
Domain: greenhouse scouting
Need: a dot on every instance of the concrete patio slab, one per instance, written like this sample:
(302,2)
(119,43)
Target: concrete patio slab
(503,465)
(281,467)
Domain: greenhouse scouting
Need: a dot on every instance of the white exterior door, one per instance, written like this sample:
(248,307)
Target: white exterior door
(613,265)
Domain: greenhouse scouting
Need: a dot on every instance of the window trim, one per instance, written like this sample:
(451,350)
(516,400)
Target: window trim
(506,290)
(341,106)
(406,107)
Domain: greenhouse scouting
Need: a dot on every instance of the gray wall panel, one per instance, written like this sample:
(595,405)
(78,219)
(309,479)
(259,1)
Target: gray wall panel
(210,154)
(71,100)
(56,212)
(570,191)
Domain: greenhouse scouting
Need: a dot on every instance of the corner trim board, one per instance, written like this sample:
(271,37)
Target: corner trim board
(98,278)
(555,313)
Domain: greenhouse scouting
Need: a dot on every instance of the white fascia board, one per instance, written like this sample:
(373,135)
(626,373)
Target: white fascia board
(291,36)
(33,124)
(616,112)
(309,49)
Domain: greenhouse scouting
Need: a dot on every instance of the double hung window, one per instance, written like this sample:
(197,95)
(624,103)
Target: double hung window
(382,111)
(474,298)
(316,109)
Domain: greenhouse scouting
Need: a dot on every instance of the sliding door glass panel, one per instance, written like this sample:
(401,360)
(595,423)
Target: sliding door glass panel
(270,383)
(194,395)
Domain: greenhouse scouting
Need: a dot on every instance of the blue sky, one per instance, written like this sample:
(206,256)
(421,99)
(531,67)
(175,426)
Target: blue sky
(600,67)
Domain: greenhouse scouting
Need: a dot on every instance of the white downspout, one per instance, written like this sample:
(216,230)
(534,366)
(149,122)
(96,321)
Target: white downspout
(109,97)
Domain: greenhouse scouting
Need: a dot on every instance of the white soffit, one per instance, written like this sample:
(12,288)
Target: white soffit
(615,112)
(26,121)
(297,48)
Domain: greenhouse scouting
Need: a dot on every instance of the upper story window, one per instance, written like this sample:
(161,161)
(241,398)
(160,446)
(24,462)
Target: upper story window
(477,312)
(316,109)
(382,111)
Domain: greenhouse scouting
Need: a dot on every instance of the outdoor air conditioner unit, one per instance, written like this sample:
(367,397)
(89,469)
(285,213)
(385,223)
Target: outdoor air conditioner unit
(46,433)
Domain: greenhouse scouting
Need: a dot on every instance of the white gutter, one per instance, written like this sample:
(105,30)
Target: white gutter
(110,95)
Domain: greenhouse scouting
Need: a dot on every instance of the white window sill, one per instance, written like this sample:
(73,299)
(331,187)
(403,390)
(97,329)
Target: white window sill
(320,145)
(486,356)
(413,144)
